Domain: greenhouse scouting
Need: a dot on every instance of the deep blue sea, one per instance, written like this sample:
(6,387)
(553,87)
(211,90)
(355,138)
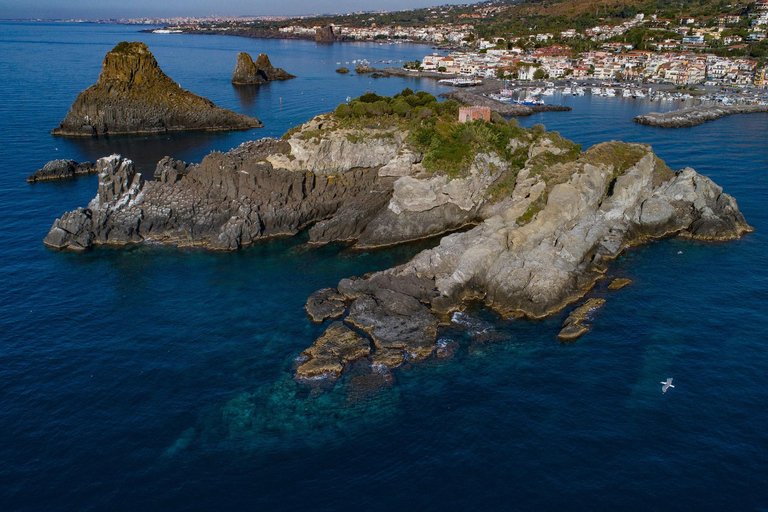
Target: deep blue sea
(157,378)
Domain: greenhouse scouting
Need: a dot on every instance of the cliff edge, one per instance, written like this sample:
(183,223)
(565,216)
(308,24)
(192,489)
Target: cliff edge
(133,95)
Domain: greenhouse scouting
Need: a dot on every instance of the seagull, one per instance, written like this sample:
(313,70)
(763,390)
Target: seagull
(666,385)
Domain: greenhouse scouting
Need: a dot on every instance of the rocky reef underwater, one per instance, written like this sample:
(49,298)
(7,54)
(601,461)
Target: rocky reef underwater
(529,224)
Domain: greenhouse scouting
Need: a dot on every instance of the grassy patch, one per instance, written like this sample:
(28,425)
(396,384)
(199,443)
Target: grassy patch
(661,172)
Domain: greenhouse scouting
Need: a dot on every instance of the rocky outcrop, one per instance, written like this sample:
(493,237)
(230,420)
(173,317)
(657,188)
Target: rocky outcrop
(619,283)
(324,34)
(248,72)
(61,170)
(171,170)
(576,325)
(328,355)
(547,218)
(696,115)
(133,95)
(342,70)
(228,200)
(544,248)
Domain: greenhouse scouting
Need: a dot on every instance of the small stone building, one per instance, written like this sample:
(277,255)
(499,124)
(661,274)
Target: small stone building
(468,114)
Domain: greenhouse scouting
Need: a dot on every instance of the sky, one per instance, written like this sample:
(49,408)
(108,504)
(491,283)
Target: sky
(102,9)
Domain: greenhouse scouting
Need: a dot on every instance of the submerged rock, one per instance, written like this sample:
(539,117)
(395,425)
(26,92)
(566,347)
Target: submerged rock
(248,72)
(61,170)
(576,325)
(133,95)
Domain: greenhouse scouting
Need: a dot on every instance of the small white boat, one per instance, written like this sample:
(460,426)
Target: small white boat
(548,92)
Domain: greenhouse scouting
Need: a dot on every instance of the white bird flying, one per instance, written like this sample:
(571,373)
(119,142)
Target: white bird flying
(666,385)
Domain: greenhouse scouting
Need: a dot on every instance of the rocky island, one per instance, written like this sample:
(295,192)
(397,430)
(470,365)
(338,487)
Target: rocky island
(541,217)
(133,95)
(693,116)
(248,72)
(61,170)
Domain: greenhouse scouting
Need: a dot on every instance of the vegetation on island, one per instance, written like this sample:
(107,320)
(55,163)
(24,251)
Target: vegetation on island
(450,147)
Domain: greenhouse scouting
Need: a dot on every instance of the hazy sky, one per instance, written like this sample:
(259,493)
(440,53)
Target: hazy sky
(139,8)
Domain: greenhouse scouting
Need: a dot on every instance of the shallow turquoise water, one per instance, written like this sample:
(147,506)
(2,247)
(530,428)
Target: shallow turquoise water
(160,378)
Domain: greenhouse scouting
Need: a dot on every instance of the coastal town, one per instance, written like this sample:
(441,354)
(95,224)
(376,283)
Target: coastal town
(722,49)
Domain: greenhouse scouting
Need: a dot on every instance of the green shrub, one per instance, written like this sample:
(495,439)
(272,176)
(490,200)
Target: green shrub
(343,110)
(359,109)
(401,107)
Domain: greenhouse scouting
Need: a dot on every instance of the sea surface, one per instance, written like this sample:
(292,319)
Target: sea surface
(158,378)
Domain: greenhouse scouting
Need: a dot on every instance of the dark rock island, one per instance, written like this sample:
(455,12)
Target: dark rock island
(61,170)
(248,72)
(324,34)
(544,218)
(133,95)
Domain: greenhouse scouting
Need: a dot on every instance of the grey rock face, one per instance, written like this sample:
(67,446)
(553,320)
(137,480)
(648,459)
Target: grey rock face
(61,170)
(539,267)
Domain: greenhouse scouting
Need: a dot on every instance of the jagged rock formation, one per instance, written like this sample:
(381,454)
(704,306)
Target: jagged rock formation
(61,170)
(324,34)
(547,220)
(248,72)
(133,95)
(171,170)
(693,116)
(228,200)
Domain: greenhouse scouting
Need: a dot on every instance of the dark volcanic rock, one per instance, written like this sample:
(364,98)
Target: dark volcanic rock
(693,116)
(248,72)
(133,95)
(324,35)
(61,170)
(171,170)
(228,200)
(342,70)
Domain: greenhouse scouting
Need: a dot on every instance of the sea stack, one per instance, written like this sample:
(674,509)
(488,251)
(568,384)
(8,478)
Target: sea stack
(248,72)
(133,95)
(324,34)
